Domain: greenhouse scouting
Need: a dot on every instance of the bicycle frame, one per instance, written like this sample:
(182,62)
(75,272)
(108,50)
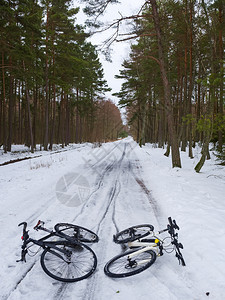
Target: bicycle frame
(144,250)
(45,244)
(61,253)
(154,243)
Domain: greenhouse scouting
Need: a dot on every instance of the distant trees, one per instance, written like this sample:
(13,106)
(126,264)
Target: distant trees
(107,124)
(50,76)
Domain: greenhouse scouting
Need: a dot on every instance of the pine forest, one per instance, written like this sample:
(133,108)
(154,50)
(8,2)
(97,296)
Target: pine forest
(174,78)
(52,83)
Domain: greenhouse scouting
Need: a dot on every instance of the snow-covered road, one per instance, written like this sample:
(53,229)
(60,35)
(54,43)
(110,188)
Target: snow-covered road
(112,188)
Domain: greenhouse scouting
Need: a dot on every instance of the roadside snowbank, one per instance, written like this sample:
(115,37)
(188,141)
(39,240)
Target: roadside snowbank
(197,201)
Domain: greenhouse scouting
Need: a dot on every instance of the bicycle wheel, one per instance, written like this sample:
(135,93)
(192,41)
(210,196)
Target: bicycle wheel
(123,266)
(79,233)
(133,233)
(68,262)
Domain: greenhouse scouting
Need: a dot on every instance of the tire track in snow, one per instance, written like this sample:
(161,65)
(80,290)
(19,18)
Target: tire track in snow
(140,181)
(105,219)
(61,291)
(112,195)
(114,191)
(108,169)
(37,214)
(22,277)
(90,291)
(106,172)
(167,282)
(151,200)
(100,179)
(93,283)
(32,219)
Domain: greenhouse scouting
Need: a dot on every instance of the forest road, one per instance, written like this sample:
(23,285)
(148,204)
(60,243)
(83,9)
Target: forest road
(118,198)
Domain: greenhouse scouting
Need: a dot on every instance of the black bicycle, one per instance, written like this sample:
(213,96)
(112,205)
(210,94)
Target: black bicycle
(68,259)
(143,251)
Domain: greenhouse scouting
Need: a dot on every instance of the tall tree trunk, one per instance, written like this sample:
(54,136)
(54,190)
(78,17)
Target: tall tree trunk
(210,104)
(144,114)
(10,110)
(30,121)
(67,121)
(77,127)
(46,88)
(190,85)
(138,122)
(220,135)
(4,135)
(176,162)
(46,109)
(205,152)
(77,119)
(53,118)
(184,125)
(198,110)
(80,130)
(62,117)
(1,103)
(35,115)
(29,114)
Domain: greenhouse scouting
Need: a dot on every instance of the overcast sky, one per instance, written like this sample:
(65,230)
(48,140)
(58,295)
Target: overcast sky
(120,51)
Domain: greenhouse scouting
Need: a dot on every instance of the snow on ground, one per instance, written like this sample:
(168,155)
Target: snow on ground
(115,186)
(22,152)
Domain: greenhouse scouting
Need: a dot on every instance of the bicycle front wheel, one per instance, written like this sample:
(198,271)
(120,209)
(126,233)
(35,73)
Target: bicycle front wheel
(68,262)
(123,266)
(133,233)
(79,233)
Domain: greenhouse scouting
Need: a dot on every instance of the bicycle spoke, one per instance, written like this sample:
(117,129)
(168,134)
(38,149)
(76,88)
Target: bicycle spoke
(133,233)
(123,265)
(73,265)
(77,232)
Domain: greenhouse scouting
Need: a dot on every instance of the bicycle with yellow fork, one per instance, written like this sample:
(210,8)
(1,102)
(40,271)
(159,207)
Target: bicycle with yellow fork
(144,250)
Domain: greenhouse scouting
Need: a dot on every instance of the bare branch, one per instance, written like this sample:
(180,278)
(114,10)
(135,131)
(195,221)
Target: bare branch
(142,7)
(99,8)
(152,57)
(127,39)
(119,21)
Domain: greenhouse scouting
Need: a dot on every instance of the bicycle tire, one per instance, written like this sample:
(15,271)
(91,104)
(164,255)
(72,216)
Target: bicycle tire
(79,233)
(133,233)
(120,266)
(73,263)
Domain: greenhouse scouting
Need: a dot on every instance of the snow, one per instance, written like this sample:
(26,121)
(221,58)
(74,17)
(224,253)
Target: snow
(118,185)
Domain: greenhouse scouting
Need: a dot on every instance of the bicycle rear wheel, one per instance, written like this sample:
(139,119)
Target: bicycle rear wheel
(68,262)
(133,233)
(79,233)
(123,266)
